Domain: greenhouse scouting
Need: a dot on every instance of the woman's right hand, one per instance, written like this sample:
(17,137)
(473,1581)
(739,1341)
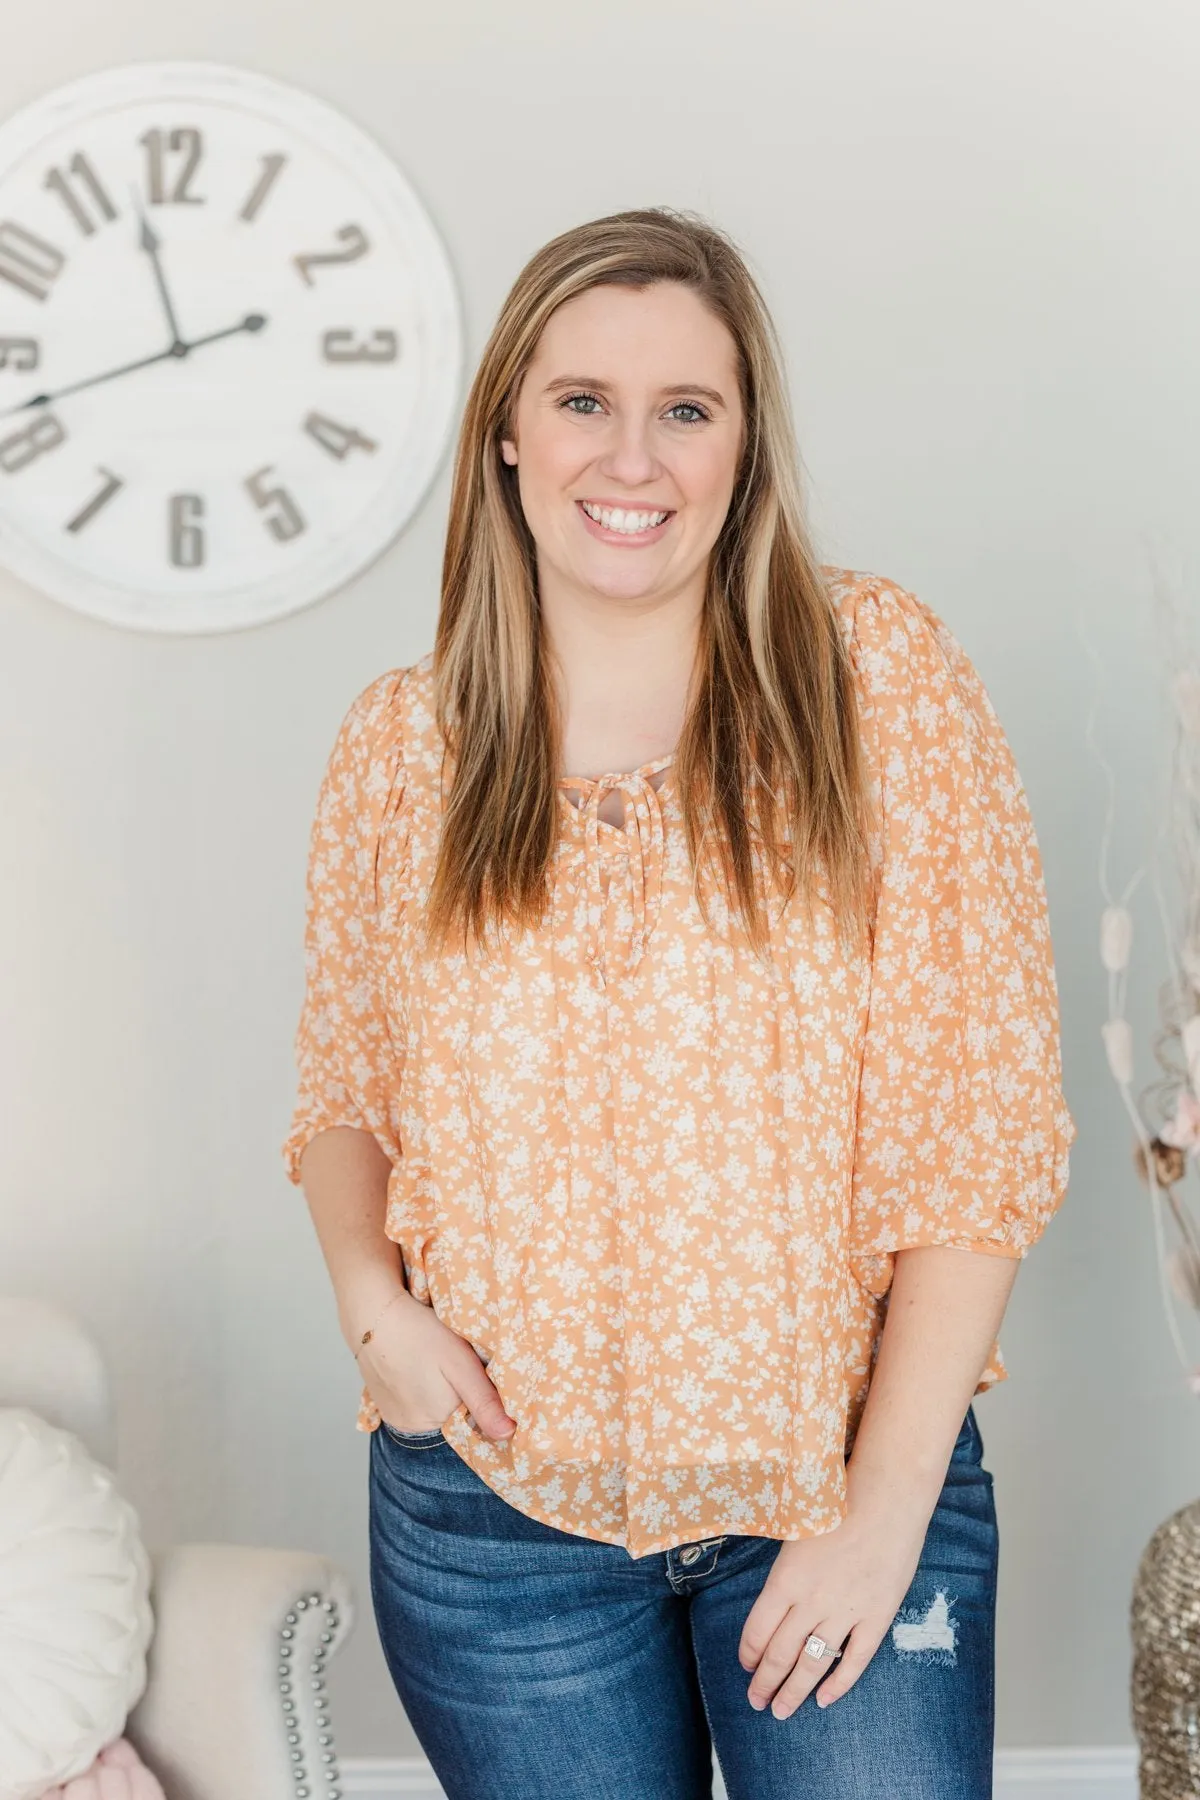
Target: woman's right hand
(417,1371)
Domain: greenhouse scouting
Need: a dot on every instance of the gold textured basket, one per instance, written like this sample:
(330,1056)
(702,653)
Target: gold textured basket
(1165,1620)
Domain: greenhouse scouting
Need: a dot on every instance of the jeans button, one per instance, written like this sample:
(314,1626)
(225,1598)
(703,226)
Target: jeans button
(690,1554)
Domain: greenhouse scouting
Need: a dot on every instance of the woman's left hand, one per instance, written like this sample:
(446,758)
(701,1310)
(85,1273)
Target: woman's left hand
(847,1583)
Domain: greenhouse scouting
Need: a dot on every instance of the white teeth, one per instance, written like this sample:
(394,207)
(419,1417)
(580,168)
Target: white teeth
(617,518)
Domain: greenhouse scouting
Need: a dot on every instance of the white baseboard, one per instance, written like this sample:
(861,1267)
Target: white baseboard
(388,1778)
(1083,1774)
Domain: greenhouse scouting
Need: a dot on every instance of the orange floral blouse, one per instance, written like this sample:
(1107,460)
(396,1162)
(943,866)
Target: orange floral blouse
(656,1183)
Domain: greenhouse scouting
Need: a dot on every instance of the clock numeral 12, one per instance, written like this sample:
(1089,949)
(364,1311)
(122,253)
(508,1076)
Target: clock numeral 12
(185,139)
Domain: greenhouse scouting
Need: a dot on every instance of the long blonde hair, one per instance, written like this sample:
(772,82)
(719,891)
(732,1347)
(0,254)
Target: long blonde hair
(768,766)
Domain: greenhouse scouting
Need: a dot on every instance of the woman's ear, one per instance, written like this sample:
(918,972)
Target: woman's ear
(508,450)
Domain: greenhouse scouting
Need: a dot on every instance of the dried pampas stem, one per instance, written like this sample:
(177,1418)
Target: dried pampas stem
(1167,1152)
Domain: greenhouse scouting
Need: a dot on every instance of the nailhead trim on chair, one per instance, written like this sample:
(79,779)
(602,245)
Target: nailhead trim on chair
(328,1638)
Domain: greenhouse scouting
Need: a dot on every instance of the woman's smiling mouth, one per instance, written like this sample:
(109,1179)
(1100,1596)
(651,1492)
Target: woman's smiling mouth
(616,523)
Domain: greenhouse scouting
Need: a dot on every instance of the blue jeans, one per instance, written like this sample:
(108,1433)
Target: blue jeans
(537,1665)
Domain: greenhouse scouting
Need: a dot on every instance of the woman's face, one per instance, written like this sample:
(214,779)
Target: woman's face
(630,407)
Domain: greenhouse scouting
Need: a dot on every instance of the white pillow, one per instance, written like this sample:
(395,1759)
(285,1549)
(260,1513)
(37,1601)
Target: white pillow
(75,1616)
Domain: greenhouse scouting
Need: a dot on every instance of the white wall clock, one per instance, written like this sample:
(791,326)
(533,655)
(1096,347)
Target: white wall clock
(230,347)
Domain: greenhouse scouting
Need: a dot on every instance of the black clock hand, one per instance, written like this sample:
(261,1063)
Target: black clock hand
(149,242)
(252,322)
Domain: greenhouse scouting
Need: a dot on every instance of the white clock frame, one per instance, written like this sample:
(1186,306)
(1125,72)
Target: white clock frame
(417,409)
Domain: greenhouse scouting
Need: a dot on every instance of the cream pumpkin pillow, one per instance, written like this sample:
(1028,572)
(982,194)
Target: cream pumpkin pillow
(75,1616)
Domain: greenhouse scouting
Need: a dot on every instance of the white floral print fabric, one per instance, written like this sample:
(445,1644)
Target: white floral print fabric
(656,1182)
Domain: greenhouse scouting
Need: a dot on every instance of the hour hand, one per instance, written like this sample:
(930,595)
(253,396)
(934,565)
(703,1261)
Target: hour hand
(149,242)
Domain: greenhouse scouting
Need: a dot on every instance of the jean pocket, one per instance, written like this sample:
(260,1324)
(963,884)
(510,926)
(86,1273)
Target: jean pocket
(415,1440)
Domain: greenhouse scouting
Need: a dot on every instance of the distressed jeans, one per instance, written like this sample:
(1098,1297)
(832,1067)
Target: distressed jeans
(534,1664)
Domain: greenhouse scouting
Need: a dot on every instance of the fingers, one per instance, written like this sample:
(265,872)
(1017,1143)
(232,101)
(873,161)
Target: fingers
(437,1345)
(762,1621)
(859,1651)
(786,1674)
(777,1660)
(476,1388)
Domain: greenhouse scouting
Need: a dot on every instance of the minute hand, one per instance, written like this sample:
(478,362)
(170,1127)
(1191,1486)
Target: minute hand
(252,322)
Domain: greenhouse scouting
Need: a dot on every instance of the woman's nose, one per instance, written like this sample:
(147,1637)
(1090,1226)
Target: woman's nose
(629,455)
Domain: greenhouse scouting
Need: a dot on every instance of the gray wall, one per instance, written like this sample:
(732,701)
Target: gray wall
(977,228)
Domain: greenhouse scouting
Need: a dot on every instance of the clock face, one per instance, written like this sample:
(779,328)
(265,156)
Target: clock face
(230,347)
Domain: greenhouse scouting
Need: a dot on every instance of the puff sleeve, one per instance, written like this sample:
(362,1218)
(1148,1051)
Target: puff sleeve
(962,1132)
(343,1050)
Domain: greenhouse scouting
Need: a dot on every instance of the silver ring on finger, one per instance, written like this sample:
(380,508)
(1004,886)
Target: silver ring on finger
(817,1648)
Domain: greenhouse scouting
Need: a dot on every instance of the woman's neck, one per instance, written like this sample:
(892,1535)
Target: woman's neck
(622,672)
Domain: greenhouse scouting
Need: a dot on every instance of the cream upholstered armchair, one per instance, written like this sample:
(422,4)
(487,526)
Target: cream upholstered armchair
(234,1706)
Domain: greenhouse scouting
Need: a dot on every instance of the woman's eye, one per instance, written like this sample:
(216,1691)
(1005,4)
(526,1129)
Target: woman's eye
(690,406)
(589,399)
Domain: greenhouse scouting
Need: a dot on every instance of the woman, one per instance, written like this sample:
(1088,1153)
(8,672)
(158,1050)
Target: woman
(681,1005)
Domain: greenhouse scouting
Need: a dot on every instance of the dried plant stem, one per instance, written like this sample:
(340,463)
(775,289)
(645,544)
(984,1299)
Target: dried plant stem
(1156,1191)
(1183,1220)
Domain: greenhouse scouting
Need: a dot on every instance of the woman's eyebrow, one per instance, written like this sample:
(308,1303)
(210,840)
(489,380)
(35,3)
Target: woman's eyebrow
(591,381)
